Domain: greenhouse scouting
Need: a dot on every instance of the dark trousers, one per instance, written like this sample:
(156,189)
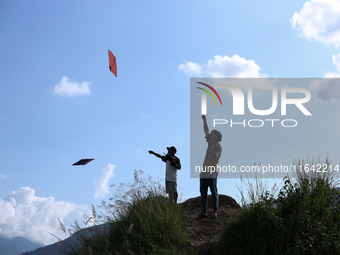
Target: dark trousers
(204,184)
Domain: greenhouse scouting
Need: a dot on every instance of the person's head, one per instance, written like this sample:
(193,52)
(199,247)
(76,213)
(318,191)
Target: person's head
(171,150)
(216,135)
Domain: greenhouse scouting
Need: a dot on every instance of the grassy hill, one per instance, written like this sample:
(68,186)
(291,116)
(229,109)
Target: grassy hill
(303,217)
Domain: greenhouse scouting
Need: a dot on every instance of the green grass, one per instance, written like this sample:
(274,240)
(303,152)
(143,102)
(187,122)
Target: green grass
(303,218)
(141,221)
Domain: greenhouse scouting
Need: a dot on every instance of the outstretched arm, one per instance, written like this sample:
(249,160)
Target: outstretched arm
(205,125)
(158,155)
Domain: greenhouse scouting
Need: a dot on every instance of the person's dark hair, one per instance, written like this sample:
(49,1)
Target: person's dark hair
(218,134)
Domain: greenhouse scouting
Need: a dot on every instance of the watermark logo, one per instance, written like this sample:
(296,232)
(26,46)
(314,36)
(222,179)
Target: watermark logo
(238,100)
(263,121)
(213,90)
(292,99)
(204,97)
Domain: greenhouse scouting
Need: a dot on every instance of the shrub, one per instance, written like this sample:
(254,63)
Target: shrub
(141,221)
(302,219)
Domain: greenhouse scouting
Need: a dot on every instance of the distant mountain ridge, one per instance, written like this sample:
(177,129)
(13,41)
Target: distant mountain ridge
(16,245)
(55,249)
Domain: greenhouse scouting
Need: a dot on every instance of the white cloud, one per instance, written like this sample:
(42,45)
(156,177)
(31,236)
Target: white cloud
(24,214)
(190,68)
(223,67)
(328,89)
(319,20)
(102,185)
(3,176)
(71,88)
(336,62)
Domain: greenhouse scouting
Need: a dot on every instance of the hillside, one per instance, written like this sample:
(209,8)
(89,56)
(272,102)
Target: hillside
(204,233)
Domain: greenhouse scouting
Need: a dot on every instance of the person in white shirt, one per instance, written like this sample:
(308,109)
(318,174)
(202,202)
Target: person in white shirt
(172,165)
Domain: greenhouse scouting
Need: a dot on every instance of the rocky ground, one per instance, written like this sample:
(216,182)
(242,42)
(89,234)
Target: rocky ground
(205,233)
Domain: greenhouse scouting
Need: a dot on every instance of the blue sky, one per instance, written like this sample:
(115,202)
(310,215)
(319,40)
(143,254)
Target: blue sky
(46,46)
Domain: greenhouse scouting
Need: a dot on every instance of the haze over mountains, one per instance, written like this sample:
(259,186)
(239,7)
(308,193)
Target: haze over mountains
(54,249)
(16,245)
(20,245)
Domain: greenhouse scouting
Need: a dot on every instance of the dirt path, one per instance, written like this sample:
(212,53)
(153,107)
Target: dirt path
(205,233)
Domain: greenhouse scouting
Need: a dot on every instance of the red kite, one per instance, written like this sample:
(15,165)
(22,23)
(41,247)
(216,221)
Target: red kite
(83,162)
(113,64)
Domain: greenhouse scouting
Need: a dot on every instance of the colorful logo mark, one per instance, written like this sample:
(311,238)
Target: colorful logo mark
(209,92)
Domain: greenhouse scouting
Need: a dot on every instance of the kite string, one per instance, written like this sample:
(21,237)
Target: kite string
(153,84)
(126,68)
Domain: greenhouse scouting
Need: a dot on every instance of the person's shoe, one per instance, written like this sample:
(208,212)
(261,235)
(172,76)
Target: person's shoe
(202,215)
(213,215)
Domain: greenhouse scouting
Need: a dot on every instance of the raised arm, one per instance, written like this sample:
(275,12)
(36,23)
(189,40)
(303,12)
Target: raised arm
(205,125)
